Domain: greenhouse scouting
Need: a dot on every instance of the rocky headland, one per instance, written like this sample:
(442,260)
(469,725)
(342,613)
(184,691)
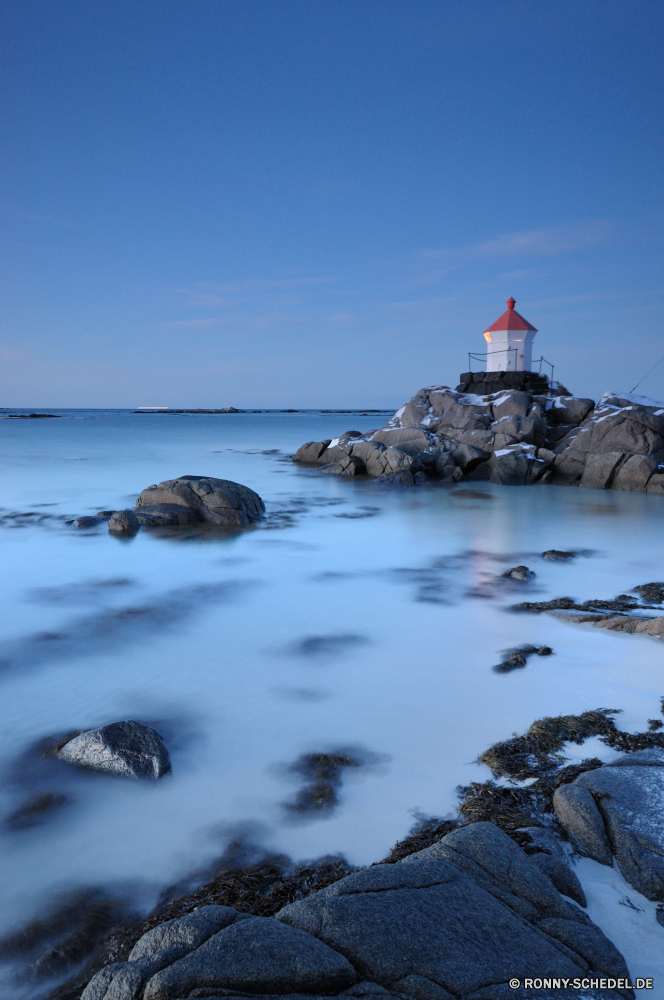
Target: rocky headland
(514,428)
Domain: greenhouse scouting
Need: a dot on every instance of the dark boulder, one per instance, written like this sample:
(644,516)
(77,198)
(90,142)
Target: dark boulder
(215,501)
(310,452)
(128,749)
(520,573)
(124,522)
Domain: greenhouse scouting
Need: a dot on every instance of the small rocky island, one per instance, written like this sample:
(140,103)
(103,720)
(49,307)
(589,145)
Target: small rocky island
(514,428)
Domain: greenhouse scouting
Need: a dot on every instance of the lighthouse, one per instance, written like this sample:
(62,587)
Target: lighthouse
(509,342)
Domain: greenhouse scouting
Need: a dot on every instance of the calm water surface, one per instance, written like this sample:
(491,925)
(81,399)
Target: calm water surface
(351,618)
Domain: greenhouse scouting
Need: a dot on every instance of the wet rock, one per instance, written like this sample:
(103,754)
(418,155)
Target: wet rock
(215,501)
(88,521)
(408,439)
(653,593)
(557,555)
(392,479)
(420,988)
(310,452)
(475,899)
(619,810)
(520,573)
(124,522)
(656,484)
(645,626)
(372,454)
(128,749)
(468,457)
(165,514)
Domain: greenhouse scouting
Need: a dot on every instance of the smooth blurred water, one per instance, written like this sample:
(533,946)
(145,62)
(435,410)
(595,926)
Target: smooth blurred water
(405,586)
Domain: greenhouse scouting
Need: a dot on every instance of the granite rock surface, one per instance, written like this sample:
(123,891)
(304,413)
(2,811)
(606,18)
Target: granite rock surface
(511,436)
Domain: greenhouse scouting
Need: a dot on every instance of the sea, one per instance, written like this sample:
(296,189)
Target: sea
(352,620)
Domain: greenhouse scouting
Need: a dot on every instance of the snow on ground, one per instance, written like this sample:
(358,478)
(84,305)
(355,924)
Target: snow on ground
(627,918)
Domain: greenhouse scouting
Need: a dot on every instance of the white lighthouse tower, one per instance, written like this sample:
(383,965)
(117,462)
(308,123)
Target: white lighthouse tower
(509,342)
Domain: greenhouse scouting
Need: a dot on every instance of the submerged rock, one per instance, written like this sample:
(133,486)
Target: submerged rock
(128,749)
(36,810)
(513,659)
(124,522)
(88,521)
(520,573)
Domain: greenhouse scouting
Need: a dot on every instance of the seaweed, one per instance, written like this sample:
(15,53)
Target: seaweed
(322,772)
(653,592)
(426,831)
(67,934)
(536,753)
(512,808)
(515,658)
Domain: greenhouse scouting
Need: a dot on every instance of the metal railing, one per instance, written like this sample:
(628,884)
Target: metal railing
(536,361)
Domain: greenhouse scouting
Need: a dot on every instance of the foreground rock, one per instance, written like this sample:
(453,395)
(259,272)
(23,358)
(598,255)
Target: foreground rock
(127,749)
(458,919)
(514,436)
(618,811)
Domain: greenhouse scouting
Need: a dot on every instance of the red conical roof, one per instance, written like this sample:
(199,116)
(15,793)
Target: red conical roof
(511,320)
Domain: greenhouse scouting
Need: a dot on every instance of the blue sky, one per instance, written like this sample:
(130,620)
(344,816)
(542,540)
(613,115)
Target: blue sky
(301,203)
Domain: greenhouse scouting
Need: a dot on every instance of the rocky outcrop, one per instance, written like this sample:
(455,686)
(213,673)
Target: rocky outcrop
(446,434)
(457,919)
(513,436)
(128,749)
(618,445)
(618,811)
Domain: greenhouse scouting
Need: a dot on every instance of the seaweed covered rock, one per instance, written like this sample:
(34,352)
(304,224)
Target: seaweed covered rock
(128,749)
(618,811)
